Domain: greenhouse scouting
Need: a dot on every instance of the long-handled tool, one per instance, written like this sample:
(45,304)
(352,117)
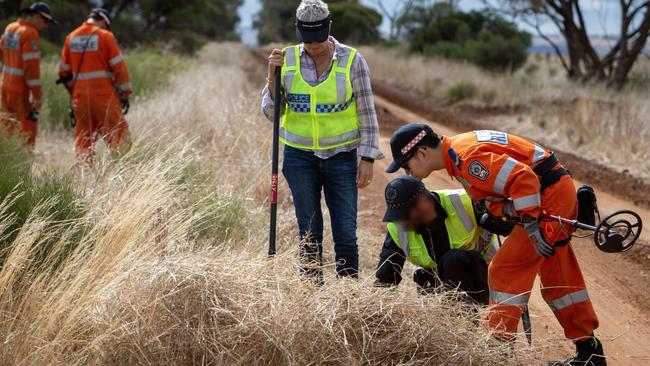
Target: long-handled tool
(528,327)
(275,162)
(616,233)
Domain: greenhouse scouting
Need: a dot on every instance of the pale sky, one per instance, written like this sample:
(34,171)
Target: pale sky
(602,16)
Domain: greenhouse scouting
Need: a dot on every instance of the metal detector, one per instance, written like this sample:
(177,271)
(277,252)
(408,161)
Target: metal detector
(616,233)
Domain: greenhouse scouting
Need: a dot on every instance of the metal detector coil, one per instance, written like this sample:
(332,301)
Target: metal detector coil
(618,232)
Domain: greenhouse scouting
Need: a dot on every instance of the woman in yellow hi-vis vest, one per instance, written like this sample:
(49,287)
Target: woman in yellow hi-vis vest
(330,132)
(440,232)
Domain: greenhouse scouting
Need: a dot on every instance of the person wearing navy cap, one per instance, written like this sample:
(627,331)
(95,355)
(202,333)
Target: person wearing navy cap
(439,232)
(20,53)
(514,177)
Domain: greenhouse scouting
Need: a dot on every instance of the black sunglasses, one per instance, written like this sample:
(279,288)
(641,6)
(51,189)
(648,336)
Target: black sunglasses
(410,156)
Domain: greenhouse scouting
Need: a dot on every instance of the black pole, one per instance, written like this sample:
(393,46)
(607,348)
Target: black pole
(275,160)
(528,327)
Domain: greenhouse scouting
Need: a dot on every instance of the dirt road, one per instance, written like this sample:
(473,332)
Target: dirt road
(618,285)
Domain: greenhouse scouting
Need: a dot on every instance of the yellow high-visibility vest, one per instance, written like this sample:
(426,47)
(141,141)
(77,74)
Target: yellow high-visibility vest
(462,230)
(319,117)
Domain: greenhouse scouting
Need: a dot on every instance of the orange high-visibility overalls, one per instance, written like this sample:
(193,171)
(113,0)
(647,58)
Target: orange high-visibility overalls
(495,166)
(21,76)
(94,60)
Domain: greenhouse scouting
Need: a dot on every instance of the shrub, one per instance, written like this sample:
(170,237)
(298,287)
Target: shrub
(461,91)
(355,23)
(489,96)
(483,38)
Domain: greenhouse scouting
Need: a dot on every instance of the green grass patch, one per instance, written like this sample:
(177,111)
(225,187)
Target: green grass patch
(22,192)
(221,215)
(461,91)
(150,71)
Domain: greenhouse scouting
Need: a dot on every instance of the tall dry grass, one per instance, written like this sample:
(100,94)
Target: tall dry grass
(606,126)
(145,287)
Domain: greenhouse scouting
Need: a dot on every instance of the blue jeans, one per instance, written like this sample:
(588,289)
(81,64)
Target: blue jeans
(307,176)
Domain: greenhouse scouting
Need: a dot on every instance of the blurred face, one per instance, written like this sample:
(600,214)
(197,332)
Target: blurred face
(417,166)
(317,48)
(38,21)
(425,161)
(422,214)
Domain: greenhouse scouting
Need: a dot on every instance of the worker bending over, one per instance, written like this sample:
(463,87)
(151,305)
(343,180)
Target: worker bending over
(21,72)
(439,233)
(93,69)
(516,178)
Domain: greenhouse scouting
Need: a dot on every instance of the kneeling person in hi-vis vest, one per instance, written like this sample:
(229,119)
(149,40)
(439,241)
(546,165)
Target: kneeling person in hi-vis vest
(438,232)
(330,132)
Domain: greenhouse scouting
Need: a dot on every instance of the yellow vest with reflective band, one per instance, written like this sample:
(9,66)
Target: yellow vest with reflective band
(462,229)
(319,117)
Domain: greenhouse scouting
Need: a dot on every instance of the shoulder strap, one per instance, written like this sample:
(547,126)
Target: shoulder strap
(81,60)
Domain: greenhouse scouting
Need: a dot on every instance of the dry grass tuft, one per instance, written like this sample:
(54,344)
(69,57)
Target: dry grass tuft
(143,288)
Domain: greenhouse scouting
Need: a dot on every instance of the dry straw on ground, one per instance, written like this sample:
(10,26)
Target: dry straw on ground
(142,288)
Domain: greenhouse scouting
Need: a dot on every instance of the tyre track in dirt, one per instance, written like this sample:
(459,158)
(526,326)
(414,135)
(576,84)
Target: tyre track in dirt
(619,284)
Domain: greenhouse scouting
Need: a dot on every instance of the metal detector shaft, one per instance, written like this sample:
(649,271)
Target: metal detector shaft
(275,161)
(573,223)
(528,327)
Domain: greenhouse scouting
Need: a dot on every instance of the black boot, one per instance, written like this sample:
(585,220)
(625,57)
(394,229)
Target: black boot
(589,352)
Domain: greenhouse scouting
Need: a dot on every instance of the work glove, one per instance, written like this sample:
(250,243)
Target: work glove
(542,247)
(496,225)
(509,209)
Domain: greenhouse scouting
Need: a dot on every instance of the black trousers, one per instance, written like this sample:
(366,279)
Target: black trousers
(465,270)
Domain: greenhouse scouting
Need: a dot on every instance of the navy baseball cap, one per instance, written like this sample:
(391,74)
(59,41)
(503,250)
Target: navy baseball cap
(102,14)
(41,9)
(318,31)
(401,195)
(405,141)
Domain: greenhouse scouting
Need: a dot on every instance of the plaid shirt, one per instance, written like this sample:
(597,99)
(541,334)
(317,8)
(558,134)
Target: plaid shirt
(360,78)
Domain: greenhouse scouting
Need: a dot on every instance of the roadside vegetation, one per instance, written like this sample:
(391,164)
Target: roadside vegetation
(483,38)
(150,69)
(184,26)
(538,100)
(170,267)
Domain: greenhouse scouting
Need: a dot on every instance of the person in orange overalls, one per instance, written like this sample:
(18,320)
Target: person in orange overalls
(93,69)
(21,73)
(515,177)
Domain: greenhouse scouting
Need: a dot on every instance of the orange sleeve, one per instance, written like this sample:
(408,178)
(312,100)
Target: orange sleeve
(118,66)
(31,55)
(503,176)
(65,64)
